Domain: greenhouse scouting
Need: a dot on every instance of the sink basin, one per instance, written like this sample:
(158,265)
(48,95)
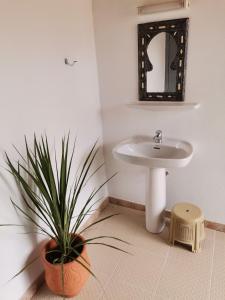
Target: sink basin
(143,151)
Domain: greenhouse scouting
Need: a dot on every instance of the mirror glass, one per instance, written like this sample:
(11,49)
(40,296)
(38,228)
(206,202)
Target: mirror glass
(162,51)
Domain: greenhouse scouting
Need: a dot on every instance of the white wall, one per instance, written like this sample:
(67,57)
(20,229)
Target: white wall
(39,93)
(203,181)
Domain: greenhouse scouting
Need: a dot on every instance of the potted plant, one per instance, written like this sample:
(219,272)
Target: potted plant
(50,201)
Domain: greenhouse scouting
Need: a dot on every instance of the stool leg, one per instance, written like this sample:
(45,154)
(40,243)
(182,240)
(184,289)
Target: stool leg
(172,229)
(197,237)
(194,238)
(202,230)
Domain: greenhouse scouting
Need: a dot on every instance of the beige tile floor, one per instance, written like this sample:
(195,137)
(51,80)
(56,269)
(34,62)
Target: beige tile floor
(155,270)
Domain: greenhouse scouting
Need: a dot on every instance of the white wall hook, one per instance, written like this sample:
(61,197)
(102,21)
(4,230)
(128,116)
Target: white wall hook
(68,63)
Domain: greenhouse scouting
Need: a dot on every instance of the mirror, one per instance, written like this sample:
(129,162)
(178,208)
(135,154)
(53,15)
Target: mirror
(162,57)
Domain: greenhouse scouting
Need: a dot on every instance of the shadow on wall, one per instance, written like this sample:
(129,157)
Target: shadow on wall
(28,229)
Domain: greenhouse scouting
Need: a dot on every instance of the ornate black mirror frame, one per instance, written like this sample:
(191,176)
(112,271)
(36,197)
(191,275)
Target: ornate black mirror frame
(146,32)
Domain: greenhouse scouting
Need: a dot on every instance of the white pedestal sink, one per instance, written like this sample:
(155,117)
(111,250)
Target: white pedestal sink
(142,150)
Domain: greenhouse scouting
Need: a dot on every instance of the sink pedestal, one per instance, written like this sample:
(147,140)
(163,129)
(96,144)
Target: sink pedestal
(157,157)
(155,200)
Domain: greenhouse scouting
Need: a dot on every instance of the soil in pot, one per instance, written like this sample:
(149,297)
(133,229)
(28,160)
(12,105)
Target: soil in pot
(53,257)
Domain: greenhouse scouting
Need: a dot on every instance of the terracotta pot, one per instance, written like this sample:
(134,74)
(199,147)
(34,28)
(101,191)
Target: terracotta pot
(75,275)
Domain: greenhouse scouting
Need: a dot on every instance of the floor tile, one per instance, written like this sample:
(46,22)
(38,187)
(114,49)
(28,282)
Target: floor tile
(142,270)
(130,226)
(155,270)
(117,290)
(218,272)
(187,275)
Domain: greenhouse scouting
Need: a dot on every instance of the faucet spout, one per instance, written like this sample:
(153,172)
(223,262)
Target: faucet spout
(158,137)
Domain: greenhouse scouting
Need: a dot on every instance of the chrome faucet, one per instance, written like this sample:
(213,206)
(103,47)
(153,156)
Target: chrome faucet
(158,137)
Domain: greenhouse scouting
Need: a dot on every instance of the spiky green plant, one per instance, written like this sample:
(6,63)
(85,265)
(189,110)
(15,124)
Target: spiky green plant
(50,206)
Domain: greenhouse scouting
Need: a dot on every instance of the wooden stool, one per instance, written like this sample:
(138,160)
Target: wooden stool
(187,226)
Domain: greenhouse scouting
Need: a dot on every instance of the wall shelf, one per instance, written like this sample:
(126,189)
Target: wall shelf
(163,106)
(155,6)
